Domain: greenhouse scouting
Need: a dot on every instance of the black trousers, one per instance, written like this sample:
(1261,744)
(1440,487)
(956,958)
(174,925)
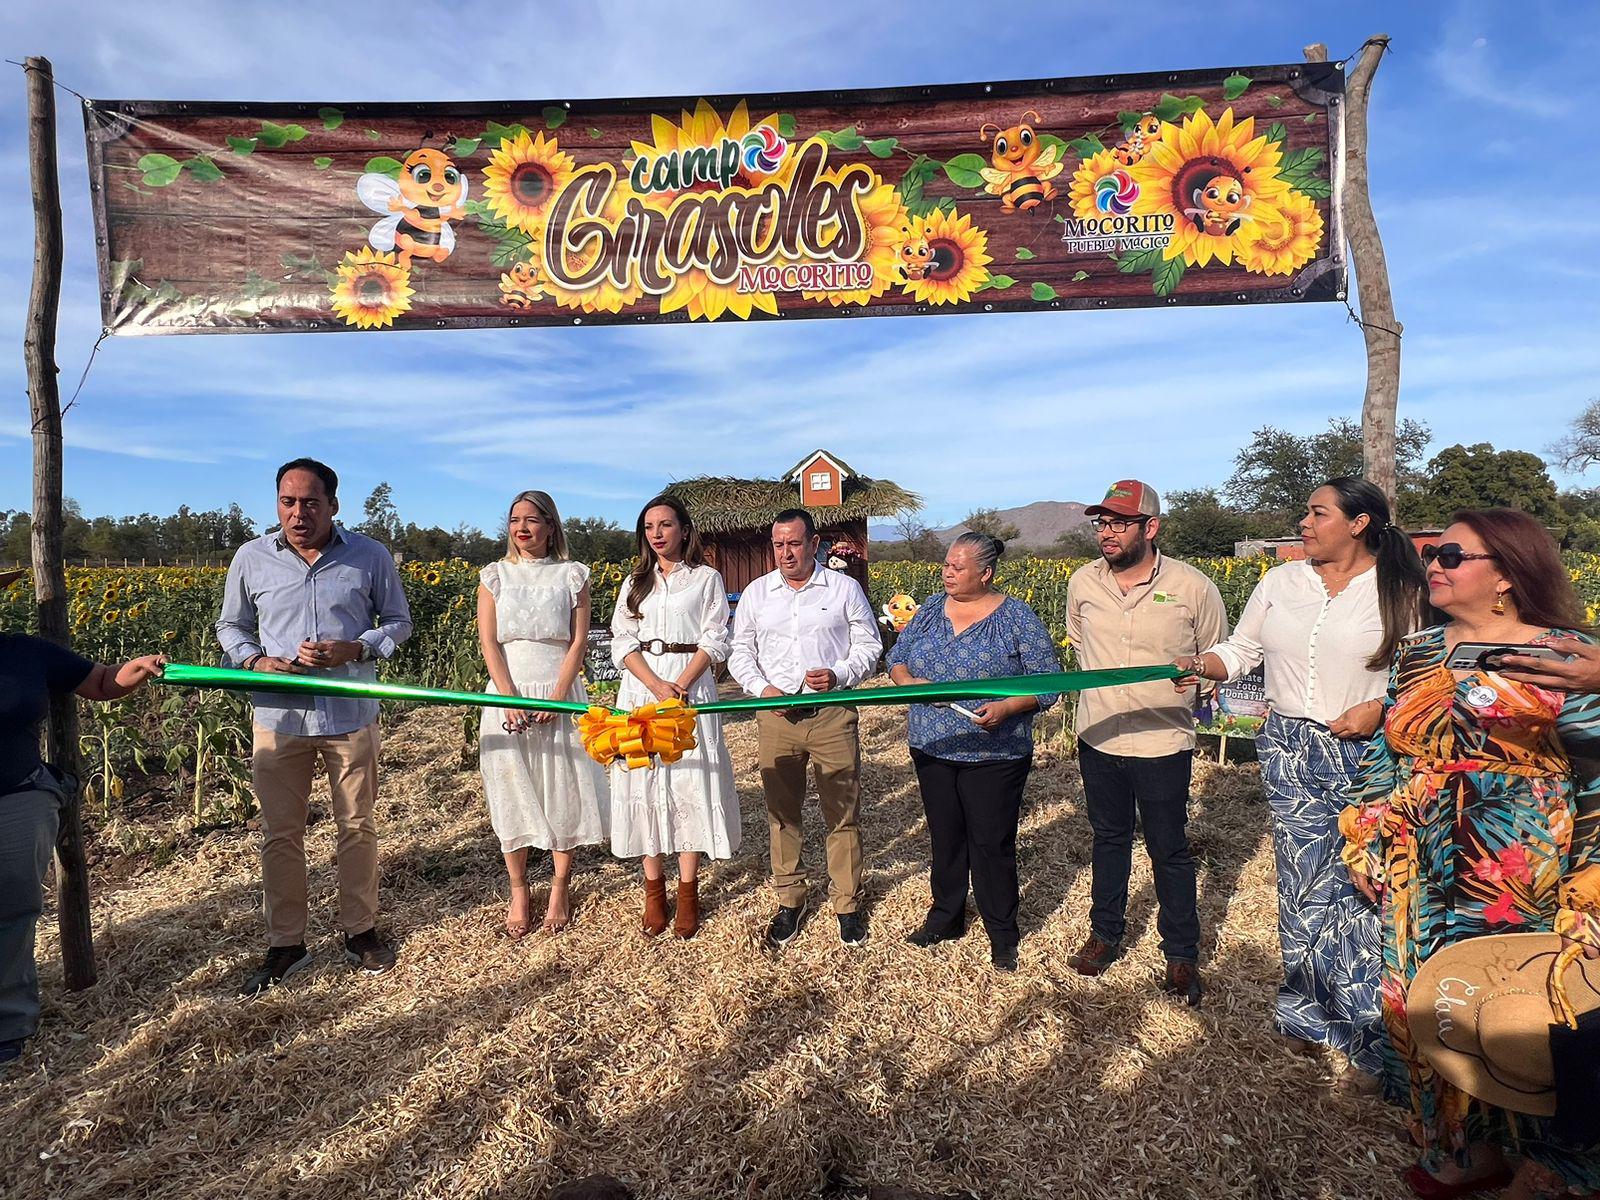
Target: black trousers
(1113,786)
(972,810)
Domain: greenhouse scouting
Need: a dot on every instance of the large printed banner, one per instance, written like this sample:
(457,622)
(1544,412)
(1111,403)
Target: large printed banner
(1205,187)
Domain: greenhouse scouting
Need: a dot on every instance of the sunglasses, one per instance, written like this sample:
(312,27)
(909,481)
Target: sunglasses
(1449,556)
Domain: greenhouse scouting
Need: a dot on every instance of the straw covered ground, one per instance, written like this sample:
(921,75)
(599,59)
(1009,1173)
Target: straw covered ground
(483,1068)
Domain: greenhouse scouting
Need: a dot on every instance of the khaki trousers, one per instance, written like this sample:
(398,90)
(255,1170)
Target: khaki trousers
(828,740)
(281,770)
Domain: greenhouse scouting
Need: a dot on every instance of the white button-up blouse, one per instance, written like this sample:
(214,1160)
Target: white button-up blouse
(1315,646)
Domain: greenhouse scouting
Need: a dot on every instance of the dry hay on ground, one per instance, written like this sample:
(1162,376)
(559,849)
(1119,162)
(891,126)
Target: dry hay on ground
(483,1068)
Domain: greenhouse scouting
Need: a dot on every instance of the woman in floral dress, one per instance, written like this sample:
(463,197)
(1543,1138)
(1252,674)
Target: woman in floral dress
(1478,812)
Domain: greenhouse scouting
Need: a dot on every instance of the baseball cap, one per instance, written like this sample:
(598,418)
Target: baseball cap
(1127,498)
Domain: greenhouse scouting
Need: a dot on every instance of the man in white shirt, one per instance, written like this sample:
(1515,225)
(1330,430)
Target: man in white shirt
(804,628)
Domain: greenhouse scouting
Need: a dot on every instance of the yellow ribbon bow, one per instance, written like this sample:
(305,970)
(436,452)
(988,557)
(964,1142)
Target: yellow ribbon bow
(663,730)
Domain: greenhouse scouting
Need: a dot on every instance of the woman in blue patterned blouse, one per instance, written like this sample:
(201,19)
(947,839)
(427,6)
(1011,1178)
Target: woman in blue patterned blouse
(972,769)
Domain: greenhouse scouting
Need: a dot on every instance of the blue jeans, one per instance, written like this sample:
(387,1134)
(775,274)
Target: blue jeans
(28,822)
(1114,787)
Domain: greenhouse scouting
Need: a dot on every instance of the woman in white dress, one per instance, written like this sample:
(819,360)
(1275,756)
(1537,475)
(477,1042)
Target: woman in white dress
(669,629)
(533,626)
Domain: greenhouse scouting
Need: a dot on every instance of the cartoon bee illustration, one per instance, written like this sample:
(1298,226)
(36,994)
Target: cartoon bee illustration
(1022,167)
(1219,206)
(417,207)
(914,255)
(898,611)
(1138,141)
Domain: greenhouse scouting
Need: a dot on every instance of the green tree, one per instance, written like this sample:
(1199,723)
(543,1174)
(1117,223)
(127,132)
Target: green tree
(987,520)
(1077,542)
(1274,474)
(1197,524)
(1479,476)
(594,539)
(380,517)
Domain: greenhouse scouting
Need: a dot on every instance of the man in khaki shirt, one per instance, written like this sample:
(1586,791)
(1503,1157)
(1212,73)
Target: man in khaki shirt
(1135,607)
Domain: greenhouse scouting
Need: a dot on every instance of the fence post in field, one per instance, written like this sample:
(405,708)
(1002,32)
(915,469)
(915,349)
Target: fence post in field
(49,573)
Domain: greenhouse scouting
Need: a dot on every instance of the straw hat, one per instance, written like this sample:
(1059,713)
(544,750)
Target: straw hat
(1481,1012)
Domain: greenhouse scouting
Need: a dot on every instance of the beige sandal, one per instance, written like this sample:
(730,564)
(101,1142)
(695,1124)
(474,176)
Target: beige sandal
(552,924)
(516,930)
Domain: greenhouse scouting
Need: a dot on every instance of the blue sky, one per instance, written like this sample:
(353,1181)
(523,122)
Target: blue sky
(1484,187)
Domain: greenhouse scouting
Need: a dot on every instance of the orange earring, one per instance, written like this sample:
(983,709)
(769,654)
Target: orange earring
(1498,608)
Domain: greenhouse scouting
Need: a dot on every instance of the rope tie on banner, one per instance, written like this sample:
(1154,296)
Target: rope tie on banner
(663,730)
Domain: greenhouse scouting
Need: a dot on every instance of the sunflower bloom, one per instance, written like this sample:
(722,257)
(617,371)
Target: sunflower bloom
(960,258)
(372,289)
(1175,176)
(523,177)
(1284,244)
(884,220)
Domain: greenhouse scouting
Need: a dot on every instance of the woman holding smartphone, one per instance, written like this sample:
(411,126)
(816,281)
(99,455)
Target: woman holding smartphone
(1478,812)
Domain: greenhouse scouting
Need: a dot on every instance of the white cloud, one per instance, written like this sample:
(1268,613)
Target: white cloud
(1464,65)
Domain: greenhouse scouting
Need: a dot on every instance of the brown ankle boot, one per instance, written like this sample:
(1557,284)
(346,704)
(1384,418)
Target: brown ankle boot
(655,907)
(687,920)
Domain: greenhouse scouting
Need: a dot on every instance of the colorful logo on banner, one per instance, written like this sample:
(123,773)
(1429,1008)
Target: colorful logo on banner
(718,212)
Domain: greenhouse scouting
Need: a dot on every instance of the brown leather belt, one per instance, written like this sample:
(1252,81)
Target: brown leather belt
(658,647)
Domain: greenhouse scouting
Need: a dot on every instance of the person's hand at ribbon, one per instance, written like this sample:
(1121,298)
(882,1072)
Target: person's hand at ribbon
(1198,670)
(991,714)
(821,680)
(330,653)
(661,689)
(271,664)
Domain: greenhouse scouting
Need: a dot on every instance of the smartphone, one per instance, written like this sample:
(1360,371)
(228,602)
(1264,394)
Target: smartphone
(1487,656)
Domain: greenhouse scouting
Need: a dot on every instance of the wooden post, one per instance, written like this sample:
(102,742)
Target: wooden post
(49,570)
(1378,324)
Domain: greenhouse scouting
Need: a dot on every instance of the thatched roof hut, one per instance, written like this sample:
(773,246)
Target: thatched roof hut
(735,515)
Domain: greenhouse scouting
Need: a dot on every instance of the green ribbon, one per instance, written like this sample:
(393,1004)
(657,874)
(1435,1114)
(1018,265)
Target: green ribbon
(960,689)
(183,674)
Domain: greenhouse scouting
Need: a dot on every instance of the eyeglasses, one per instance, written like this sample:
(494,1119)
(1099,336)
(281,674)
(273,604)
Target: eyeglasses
(1449,556)
(1115,525)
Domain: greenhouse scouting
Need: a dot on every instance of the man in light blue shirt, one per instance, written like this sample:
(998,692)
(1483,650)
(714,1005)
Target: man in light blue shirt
(314,598)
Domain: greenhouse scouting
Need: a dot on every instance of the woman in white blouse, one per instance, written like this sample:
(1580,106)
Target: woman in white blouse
(669,629)
(533,628)
(1326,629)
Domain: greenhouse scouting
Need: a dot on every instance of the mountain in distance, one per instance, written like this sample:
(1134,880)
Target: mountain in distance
(1039,525)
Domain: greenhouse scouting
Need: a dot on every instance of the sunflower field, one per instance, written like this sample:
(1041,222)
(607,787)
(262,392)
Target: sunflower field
(161,744)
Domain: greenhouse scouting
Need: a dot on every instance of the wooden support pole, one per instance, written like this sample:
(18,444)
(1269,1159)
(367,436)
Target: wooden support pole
(1378,325)
(49,569)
